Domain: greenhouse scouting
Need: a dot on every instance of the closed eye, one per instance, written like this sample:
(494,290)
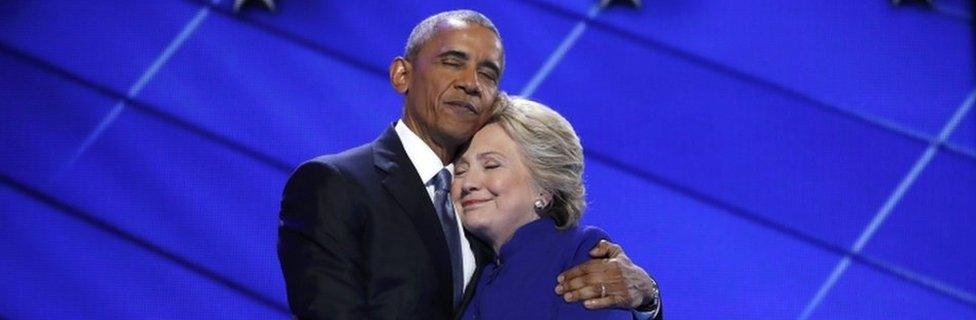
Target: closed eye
(491,77)
(453,63)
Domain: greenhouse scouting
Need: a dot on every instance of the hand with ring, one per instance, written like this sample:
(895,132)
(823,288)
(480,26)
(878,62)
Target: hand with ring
(608,280)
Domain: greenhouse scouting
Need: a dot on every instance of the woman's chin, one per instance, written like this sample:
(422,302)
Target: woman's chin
(475,225)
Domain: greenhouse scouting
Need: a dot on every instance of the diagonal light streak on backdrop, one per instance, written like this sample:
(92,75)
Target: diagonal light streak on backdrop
(137,87)
(285,167)
(640,40)
(888,206)
(142,243)
(900,273)
(153,111)
(747,77)
(560,52)
(883,267)
(211,137)
(626,168)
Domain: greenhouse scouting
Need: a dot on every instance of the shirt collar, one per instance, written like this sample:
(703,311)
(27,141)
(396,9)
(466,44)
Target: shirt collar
(421,155)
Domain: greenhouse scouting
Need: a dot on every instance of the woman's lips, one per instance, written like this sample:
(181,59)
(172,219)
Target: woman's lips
(468,203)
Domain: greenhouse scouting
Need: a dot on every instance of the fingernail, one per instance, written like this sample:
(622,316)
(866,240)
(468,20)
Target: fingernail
(559,289)
(560,278)
(567,297)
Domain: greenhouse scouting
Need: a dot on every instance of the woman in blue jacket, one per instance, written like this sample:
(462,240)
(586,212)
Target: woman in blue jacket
(518,186)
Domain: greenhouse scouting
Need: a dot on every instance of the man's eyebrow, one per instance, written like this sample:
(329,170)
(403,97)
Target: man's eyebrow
(454,53)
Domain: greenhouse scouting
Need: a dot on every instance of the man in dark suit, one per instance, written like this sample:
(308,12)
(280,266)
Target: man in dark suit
(361,233)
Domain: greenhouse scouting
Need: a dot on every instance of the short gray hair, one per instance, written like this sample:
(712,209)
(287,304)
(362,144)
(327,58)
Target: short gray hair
(552,152)
(426,29)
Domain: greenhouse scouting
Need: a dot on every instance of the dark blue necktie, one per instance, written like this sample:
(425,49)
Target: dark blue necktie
(445,211)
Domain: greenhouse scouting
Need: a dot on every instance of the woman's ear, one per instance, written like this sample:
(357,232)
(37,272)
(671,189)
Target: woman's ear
(400,74)
(542,204)
(545,198)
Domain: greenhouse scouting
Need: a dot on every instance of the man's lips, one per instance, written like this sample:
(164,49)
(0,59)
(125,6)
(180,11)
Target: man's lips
(471,202)
(464,105)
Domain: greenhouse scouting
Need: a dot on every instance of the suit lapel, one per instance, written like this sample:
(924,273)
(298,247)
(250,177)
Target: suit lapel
(403,183)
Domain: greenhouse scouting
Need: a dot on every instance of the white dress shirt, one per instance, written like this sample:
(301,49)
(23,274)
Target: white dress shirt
(428,165)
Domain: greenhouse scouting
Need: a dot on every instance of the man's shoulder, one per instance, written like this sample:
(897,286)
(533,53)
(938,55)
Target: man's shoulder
(351,157)
(337,167)
(361,157)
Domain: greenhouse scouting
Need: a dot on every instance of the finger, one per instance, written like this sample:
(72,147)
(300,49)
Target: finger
(602,303)
(583,293)
(584,270)
(579,270)
(579,282)
(570,285)
(600,249)
(586,274)
(605,249)
(570,274)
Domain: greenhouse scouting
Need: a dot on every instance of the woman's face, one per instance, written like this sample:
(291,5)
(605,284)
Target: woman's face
(492,186)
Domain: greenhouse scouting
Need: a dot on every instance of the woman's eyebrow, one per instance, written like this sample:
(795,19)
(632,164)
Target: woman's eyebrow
(490,153)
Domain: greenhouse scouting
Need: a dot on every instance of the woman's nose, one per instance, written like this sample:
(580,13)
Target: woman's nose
(471,182)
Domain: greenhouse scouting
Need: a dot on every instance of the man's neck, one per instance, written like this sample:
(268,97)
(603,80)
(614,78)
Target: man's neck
(444,151)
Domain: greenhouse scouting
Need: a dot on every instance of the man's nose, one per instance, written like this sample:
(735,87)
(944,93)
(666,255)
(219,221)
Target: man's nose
(468,82)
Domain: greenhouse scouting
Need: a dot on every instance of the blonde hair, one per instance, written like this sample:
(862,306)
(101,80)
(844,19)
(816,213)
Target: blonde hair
(552,152)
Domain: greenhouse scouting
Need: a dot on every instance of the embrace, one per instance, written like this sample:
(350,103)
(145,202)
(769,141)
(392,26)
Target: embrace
(467,207)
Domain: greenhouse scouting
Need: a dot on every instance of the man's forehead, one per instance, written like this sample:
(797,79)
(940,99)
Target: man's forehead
(448,39)
(452,26)
(459,36)
(452,23)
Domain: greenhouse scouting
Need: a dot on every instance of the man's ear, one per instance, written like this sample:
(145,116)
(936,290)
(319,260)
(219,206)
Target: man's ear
(400,70)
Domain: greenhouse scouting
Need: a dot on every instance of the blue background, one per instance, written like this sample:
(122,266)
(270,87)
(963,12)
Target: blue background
(763,159)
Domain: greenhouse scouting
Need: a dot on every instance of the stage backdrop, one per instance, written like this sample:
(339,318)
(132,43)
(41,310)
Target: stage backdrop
(763,159)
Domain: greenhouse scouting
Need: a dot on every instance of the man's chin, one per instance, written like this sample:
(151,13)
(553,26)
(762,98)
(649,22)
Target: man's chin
(460,137)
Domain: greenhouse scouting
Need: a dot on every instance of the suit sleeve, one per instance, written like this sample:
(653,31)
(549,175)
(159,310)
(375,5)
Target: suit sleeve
(576,310)
(646,315)
(319,245)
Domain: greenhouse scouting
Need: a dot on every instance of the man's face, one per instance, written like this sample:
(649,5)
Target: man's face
(452,82)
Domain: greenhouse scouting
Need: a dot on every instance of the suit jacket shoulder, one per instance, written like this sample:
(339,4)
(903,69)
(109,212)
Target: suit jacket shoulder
(359,238)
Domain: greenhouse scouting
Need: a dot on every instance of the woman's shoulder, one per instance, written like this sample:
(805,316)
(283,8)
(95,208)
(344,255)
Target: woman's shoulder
(592,232)
(580,239)
(583,233)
